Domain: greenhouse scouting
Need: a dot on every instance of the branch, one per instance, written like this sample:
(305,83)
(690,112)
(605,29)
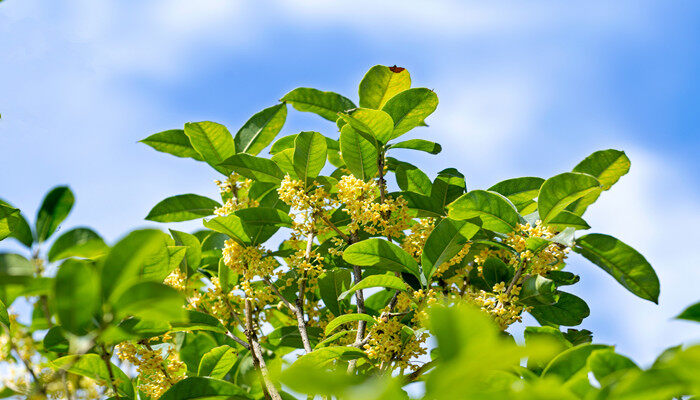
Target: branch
(335,228)
(280,295)
(419,372)
(301,323)
(516,277)
(256,351)
(105,357)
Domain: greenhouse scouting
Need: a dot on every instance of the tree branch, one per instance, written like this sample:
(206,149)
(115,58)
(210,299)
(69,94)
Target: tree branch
(256,351)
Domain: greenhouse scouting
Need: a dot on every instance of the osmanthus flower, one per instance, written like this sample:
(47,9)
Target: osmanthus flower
(159,367)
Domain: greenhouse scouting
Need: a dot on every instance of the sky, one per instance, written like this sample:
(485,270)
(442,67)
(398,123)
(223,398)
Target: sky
(524,91)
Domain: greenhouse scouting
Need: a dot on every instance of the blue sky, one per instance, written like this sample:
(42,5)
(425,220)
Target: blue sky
(523,91)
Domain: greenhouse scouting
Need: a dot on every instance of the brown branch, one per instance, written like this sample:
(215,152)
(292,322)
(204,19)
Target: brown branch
(516,277)
(105,357)
(335,228)
(301,323)
(256,351)
(412,377)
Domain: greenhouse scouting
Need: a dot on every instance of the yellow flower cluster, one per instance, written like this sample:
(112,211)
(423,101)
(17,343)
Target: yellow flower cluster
(248,261)
(158,369)
(389,218)
(235,190)
(550,258)
(307,206)
(414,241)
(176,280)
(393,348)
(500,305)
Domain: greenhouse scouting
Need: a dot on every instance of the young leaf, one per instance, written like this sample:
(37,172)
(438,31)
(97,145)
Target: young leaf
(183,207)
(309,155)
(692,313)
(372,281)
(621,261)
(217,362)
(323,356)
(569,310)
(55,208)
(4,316)
(608,166)
(77,294)
(260,130)
(283,143)
(444,242)
(15,265)
(212,141)
(78,242)
(561,190)
(381,254)
(409,109)
(359,155)
(381,83)
(346,318)
(496,213)
(418,144)
(374,125)
(256,168)
(173,142)
(325,104)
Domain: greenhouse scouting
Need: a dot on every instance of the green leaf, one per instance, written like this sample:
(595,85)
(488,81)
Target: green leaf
(198,321)
(410,178)
(605,362)
(561,190)
(173,142)
(569,310)
(538,291)
(283,143)
(213,141)
(193,254)
(310,150)
(20,227)
(381,83)
(578,336)
(230,225)
(570,361)
(359,154)
(289,336)
(692,313)
(372,281)
(374,125)
(409,108)
(217,362)
(9,218)
(285,161)
(621,261)
(562,278)
(424,206)
(447,187)
(256,168)
(250,225)
(496,271)
(15,265)
(331,284)
(55,208)
(196,387)
(381,254)
(92,366)
(183,207)
(444,242)
(151,301)
(4,316)
(78,242)
(418,144)
(551,339)
(496,213)
(77,295)
(264,216)
(124,261)
(520,191)
(56,341)
(566,219)
(325,355)
(260,130)
(346,318)
(608,166)
(325,104)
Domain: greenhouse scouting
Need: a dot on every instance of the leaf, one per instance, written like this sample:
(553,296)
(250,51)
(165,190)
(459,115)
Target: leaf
(444,242)
(374,125)
(692,313)
(256,168)
(9,218)
(409,108)
(561,190)
(173,141)
(418,144)
(608,166)
(213,141)
(193,252)
(309,155)
(250,225)
(196,387)
(92,366)
(605,362)
(217,362)
(447,187)
(621,261)
(198,321)
(562,278)
(380,84)
(283,143)
(78,242)
(566,219)
(77,295)
(410,178)
(264,216)
(569,310)
(183,207)
(124,261)
(4,316)
(570,361)
(496,271)
(520,191)
(151,301)
(325,355)
(56,341)
(372,281)
(331,284)
(54,209)
(20,228)
(359,154)
(381,254)
(285,161)
(538,291)
(496,213)
(230,225)
(325,104)
(260,130)
(15,265)
(289,336)
(422,205)
(346,318)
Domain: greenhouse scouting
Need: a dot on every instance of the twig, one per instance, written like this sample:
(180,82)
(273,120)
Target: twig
(279,294)
(412,377)
(301,323)
(335,228)
(257,352)
(105,357)
(516,277)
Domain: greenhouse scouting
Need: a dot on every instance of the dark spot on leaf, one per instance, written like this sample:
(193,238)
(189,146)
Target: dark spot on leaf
(396,69)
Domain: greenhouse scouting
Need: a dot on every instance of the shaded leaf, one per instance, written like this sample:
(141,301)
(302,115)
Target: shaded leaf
(409,108)
(77,295)
(54,209)
(418,144)
(444,242)
(381,254)
(256,168)
(325,104)
(359,154)
(372,281)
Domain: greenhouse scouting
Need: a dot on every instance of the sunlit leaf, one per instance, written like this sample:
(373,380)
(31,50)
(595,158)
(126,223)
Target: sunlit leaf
(260,130)
(183,207)
(381,83)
